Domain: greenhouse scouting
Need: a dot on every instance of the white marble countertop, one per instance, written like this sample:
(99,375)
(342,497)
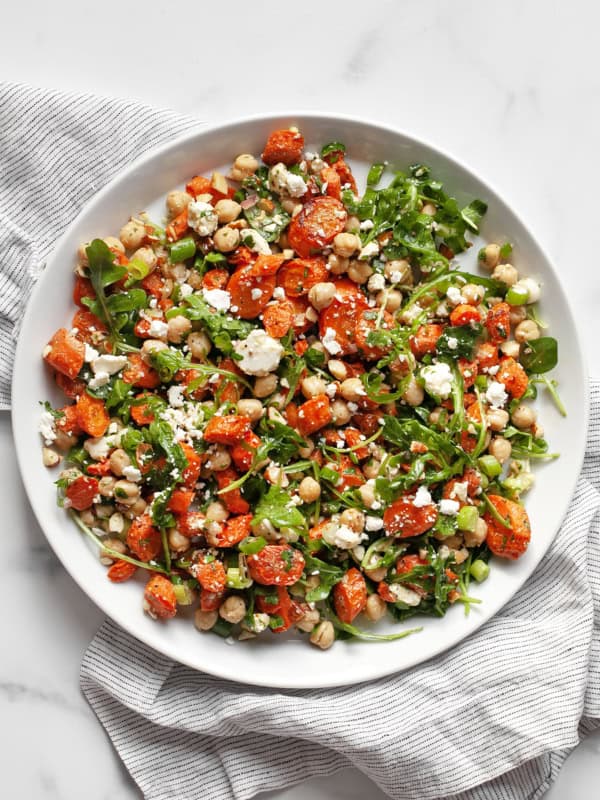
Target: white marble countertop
(511,88)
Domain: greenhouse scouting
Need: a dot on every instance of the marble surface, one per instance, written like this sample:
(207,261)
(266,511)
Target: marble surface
(511,88)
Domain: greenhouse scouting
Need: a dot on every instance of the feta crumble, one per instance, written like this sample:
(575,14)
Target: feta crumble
(158,329)
(452,343)
(496,394)
(373,523)
(46,427)
(254,241)
(438,379)
(175,396)
(342,536)
(202,218)
(260,354)
(368,251)
(422,497)
(132,473)
(282,181)
(330,343)
(217,298)
(449,507)
(108,364)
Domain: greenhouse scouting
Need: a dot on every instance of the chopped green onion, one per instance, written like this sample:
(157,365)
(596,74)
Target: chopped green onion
(138,269)
(467,518)
(479,570)
(182,250)
(375,174)
(235,579)
(517,295)
(222,628)
(183,594)
(490,466)
(251,545)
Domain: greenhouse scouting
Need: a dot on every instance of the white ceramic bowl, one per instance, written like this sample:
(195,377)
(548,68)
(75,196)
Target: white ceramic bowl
(287,661)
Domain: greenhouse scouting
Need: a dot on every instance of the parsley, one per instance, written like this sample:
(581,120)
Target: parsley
(276,508)
(221,328)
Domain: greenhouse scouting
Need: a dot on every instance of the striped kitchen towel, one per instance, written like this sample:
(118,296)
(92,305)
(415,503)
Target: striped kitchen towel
(493,718)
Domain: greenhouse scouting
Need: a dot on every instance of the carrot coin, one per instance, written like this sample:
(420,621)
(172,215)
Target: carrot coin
(139,373)
(226,430)
(510,541)
(497,323)
(513,376)
(160,598)
(276,564)
(299,275)
(209,572)
(283,146)
(314,414)
(81,492)
(316,226)
(143,539)
(278,318)
(424,340)
(350,595)
(403,518)
(121,571)
(65,353)
(244,288)
(366,325)
(92,416)
(337,322)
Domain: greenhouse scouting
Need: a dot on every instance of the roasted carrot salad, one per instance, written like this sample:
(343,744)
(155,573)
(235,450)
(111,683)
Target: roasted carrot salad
(290,407)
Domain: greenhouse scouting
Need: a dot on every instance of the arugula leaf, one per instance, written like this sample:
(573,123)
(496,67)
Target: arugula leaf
(104,272)
(221,329)
(269,225)
(474,213)
(465,338)
(119,392)
(335,151)
(161,435)
(539,355)
(329,575)
(161,516)
(275,507)
(402,432)
(279,441)
(374,174)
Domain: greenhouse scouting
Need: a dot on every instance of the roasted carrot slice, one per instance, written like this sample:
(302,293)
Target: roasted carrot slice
(65,353)
(244,288)
(510,541)
(316,226)
(350,595)
(283,146)
(298,276)
(92,416)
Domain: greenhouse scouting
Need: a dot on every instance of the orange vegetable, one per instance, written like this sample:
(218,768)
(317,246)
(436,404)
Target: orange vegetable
(350,595)
(160,598)
(241,285)
(353,439)
(234,530)
(191,473)
(181,500)
(233,499)
(486,355)
(71,388)
(289,610)
(299,275)
(198,185)
(366,324)
(350,474)
(92,416)
(424,340)
(211,601)
(99,469)
(215,279)
(178,226)
(402,518)
(226,430)
(283,146)
(345,173)
(314,414)
(468,370)
(497,323)
(409,562)
(68,422)
(513,376)
(65,354)
(276,564)
(243,452)
(384,591)
(141,414)
(81,492)
(87,324)
(121,571)
(83,288)
(463,314)
(278,318)
(154,284)
(138,373)
(143,539)
(331,177)
(191,523)
(316,226)
(266,266)
(342,314)
(511,541)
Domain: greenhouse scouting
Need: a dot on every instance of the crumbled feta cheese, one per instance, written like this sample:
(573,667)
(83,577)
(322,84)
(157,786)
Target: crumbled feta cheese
(452,343)
(185,290)
(368,251)
(184,422)
(256,294)
(90,353)
(132,473)
(352,407)
(279,293)
(202,218)
(438,379)
(330,343)
(158,329)
(496,394)
(260,353)
(366,225)
(494,369)
(108,364)
(449,507)
(376,282)
(282,181)
(257,623)
(411,313)
(100,379)
(175,396)
(454,296)
(217,298)
(404,595)
(422,497)
(331,389)
(342,536)
(46,427)
(373,523)
(460,491)
(254,241)
(98,447)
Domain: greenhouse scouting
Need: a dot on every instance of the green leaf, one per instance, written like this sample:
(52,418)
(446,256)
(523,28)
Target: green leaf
(270,225)
(473,214)
(539,355)
(221,328)
(275,506)
(161,435)
(334,151)
(328,574)
(462,337)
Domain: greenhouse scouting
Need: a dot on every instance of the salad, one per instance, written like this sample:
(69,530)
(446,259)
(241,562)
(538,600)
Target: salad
(288,406)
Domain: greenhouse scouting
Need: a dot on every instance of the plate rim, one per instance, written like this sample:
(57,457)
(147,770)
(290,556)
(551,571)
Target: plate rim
(278,117)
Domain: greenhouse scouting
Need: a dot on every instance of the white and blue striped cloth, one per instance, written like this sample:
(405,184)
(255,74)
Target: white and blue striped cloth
(493,718)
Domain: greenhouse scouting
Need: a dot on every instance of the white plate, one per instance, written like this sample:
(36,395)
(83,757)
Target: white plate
(275,660)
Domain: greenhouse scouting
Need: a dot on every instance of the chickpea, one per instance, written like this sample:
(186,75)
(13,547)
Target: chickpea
(312,386)
(353,518)
(151,346)
(321,295)
(82,259)
(133,234)
(337,265)
(226,239)
(217,511)
(178,543)
(352,224)
(307,451)
(253,409)
(414,393)
(276,476)
(227,210)
(473,293)
(526,331)
(323,635)
(178,328)
(194,279)
(506,273)
(50,457)
(352,389)
(491,256)
(244,166)
(476,537)
(523,416)
(497,419)
(392,299)
(309,620)
(147,255)
(359,271)
(218,459)
(205,620)
(367,494)
(435,415)
(340,413)
(118,461)
(174,272)
(114,243)
(376,575)
(106,486)
(371,468)
(265,386)
(338,369)
(309,490)
(87,517)
(510,348)
(500,448)
(113,544)
(137,509)
(199,345)
(126,492)
(346,244)
(291,206)
(233,609)
(376,608)
(177,202)
(64,441)
(517,314)
(399,271)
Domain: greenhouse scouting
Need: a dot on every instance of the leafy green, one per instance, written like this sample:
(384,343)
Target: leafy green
(275,506)
(539,355)
(119,393)
(474,213)
(328,574)
(334,151)
(56,413)
(222,329)
(270,225)
(465,338)
(368,636)
(279,441)
(160,435)
(402,432)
